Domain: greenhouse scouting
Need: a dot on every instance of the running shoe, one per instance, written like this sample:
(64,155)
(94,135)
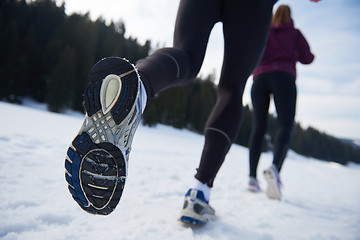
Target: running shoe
(196,209)
(97,159)
(253,185)
(273,190)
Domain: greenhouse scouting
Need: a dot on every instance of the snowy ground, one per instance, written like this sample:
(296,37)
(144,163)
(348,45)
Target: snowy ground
(321,200)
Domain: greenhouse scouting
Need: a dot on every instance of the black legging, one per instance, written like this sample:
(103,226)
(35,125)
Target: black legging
(245,28)
(283,88)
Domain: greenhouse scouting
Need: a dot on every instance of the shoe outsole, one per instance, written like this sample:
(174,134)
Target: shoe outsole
(272,191)
(191,221)
(95,166)
(190,218)
(130,85)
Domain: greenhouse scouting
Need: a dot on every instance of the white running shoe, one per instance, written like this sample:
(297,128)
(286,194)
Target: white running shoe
(97,159)
(253,185)
(273,190)
(196,209)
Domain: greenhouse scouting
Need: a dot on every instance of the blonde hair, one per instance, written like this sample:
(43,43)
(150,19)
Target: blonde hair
(282,15)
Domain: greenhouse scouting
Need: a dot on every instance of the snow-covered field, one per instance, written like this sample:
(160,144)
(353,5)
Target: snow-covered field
(321,200)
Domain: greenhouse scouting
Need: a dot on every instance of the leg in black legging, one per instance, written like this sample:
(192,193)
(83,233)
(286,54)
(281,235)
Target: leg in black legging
(260,97)
(245,27)
(179,65)
(285,103)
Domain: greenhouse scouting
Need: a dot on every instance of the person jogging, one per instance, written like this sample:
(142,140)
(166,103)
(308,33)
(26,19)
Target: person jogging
(116,93)
(275,76)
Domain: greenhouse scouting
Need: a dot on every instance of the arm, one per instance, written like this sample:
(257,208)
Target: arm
(303,53)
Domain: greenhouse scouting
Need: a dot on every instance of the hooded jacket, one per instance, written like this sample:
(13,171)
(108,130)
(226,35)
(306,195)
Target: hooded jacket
(285,46)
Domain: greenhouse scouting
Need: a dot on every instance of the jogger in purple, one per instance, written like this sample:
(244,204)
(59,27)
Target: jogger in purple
(275,76)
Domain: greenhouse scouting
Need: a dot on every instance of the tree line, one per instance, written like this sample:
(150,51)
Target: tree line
(188,107)
(46,55)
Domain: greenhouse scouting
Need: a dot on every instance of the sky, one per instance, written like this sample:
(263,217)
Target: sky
(328,89)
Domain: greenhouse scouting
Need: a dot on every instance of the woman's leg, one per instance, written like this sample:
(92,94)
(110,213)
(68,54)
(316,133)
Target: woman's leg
(245,25)
(180,64)
(260,97)
(284,90)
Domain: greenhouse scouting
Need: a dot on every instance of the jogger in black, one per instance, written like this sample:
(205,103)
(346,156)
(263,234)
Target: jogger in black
(245,27)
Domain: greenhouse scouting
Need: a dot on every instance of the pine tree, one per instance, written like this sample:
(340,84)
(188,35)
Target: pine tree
(63,80)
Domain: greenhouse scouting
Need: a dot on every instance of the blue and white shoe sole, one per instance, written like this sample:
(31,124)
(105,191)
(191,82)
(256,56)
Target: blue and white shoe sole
(96,160)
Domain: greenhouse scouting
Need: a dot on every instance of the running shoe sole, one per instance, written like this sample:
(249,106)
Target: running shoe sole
(273,189)
(97,159)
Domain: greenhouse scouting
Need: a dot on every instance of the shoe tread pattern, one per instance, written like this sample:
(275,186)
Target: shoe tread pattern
(130,85)
(96,174)
(96,170)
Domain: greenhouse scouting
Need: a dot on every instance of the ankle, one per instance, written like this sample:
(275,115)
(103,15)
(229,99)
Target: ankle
(202,187)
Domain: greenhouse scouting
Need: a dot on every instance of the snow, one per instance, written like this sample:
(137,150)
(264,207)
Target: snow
(321,200)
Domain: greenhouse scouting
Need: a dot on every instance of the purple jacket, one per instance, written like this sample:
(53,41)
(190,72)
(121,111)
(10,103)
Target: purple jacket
(285,46)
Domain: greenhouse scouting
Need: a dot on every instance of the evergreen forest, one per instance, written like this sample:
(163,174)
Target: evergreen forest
(46,54)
